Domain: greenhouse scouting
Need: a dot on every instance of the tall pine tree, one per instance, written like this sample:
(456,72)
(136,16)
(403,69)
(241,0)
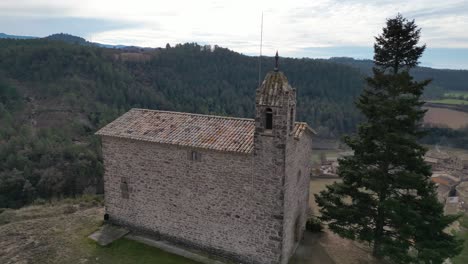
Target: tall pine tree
(386,197)
(396,48)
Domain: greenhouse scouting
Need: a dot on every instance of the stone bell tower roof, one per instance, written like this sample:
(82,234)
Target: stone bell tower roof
(274,87)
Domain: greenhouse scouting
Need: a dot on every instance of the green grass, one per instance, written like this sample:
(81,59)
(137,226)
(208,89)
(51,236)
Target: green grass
(453,98)
(463,234)
(450,101)
(129,251)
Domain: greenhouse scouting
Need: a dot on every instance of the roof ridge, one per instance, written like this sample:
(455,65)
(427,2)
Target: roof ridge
(193,114)
(218,133)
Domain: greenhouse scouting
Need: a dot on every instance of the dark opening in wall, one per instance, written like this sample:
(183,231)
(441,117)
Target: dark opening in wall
(268,119)
(124,188)
(297,229)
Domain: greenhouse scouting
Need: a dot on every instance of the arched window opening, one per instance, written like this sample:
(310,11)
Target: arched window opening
(269,119)
(124,188)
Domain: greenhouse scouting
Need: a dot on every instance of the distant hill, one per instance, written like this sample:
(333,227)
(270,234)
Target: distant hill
(5,36)
(69,39)
(445,79)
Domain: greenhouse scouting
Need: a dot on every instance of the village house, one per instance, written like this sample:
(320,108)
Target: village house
(232,187)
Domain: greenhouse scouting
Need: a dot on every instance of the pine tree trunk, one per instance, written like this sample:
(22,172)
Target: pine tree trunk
(380,221)
(378,232)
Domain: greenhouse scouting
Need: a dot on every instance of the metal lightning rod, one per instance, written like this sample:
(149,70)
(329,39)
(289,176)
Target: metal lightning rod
(260,57)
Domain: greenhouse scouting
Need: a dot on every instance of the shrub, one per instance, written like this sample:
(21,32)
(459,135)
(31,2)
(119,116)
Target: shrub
(39,201)
(314,225)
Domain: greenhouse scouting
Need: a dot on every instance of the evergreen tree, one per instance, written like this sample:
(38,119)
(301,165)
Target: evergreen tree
(386,197)
(396,47)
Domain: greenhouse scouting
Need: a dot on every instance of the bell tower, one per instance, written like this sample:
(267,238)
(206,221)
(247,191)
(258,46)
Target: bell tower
(275,108)
(274,145)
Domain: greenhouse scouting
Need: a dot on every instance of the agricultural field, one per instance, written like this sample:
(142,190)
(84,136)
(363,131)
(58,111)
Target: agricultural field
(457,94)
(446,117)
(329,154)
(450,101)
(452,98)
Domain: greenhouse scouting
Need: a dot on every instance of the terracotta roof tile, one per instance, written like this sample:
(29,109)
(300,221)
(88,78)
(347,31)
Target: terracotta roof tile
(185,129)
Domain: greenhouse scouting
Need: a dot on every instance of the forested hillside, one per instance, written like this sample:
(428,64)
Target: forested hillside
(55,95)
(449,80)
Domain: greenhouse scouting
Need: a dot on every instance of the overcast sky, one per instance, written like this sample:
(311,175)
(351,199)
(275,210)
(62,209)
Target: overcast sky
(297,28)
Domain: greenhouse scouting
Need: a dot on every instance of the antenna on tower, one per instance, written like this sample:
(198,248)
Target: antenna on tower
(260,57)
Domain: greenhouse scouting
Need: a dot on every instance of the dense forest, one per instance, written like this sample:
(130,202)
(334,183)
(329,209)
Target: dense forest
(55,95)
(449,80)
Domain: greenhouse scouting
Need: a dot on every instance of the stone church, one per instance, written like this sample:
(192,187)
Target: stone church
(232,187)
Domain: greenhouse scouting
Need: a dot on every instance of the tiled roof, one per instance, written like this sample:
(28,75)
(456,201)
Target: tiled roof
(273,88)
(185,129)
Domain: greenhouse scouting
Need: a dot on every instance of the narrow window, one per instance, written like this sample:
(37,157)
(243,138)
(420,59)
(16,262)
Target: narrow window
(195,156)
(291,121)
(297,229)
(124,188)
(269,119)
(299,175)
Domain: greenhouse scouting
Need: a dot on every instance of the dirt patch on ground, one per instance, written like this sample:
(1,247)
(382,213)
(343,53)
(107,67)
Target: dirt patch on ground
(46,234)
(344,251)
(317,185)
(446,117)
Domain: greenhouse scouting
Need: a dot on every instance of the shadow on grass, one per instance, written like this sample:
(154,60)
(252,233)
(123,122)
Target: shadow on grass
(125,251)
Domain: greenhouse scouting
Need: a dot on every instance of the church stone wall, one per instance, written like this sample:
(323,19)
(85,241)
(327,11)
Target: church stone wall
(296,201)
(221,204)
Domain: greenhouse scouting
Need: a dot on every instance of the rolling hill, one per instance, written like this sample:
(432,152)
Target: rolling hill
(56,92)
